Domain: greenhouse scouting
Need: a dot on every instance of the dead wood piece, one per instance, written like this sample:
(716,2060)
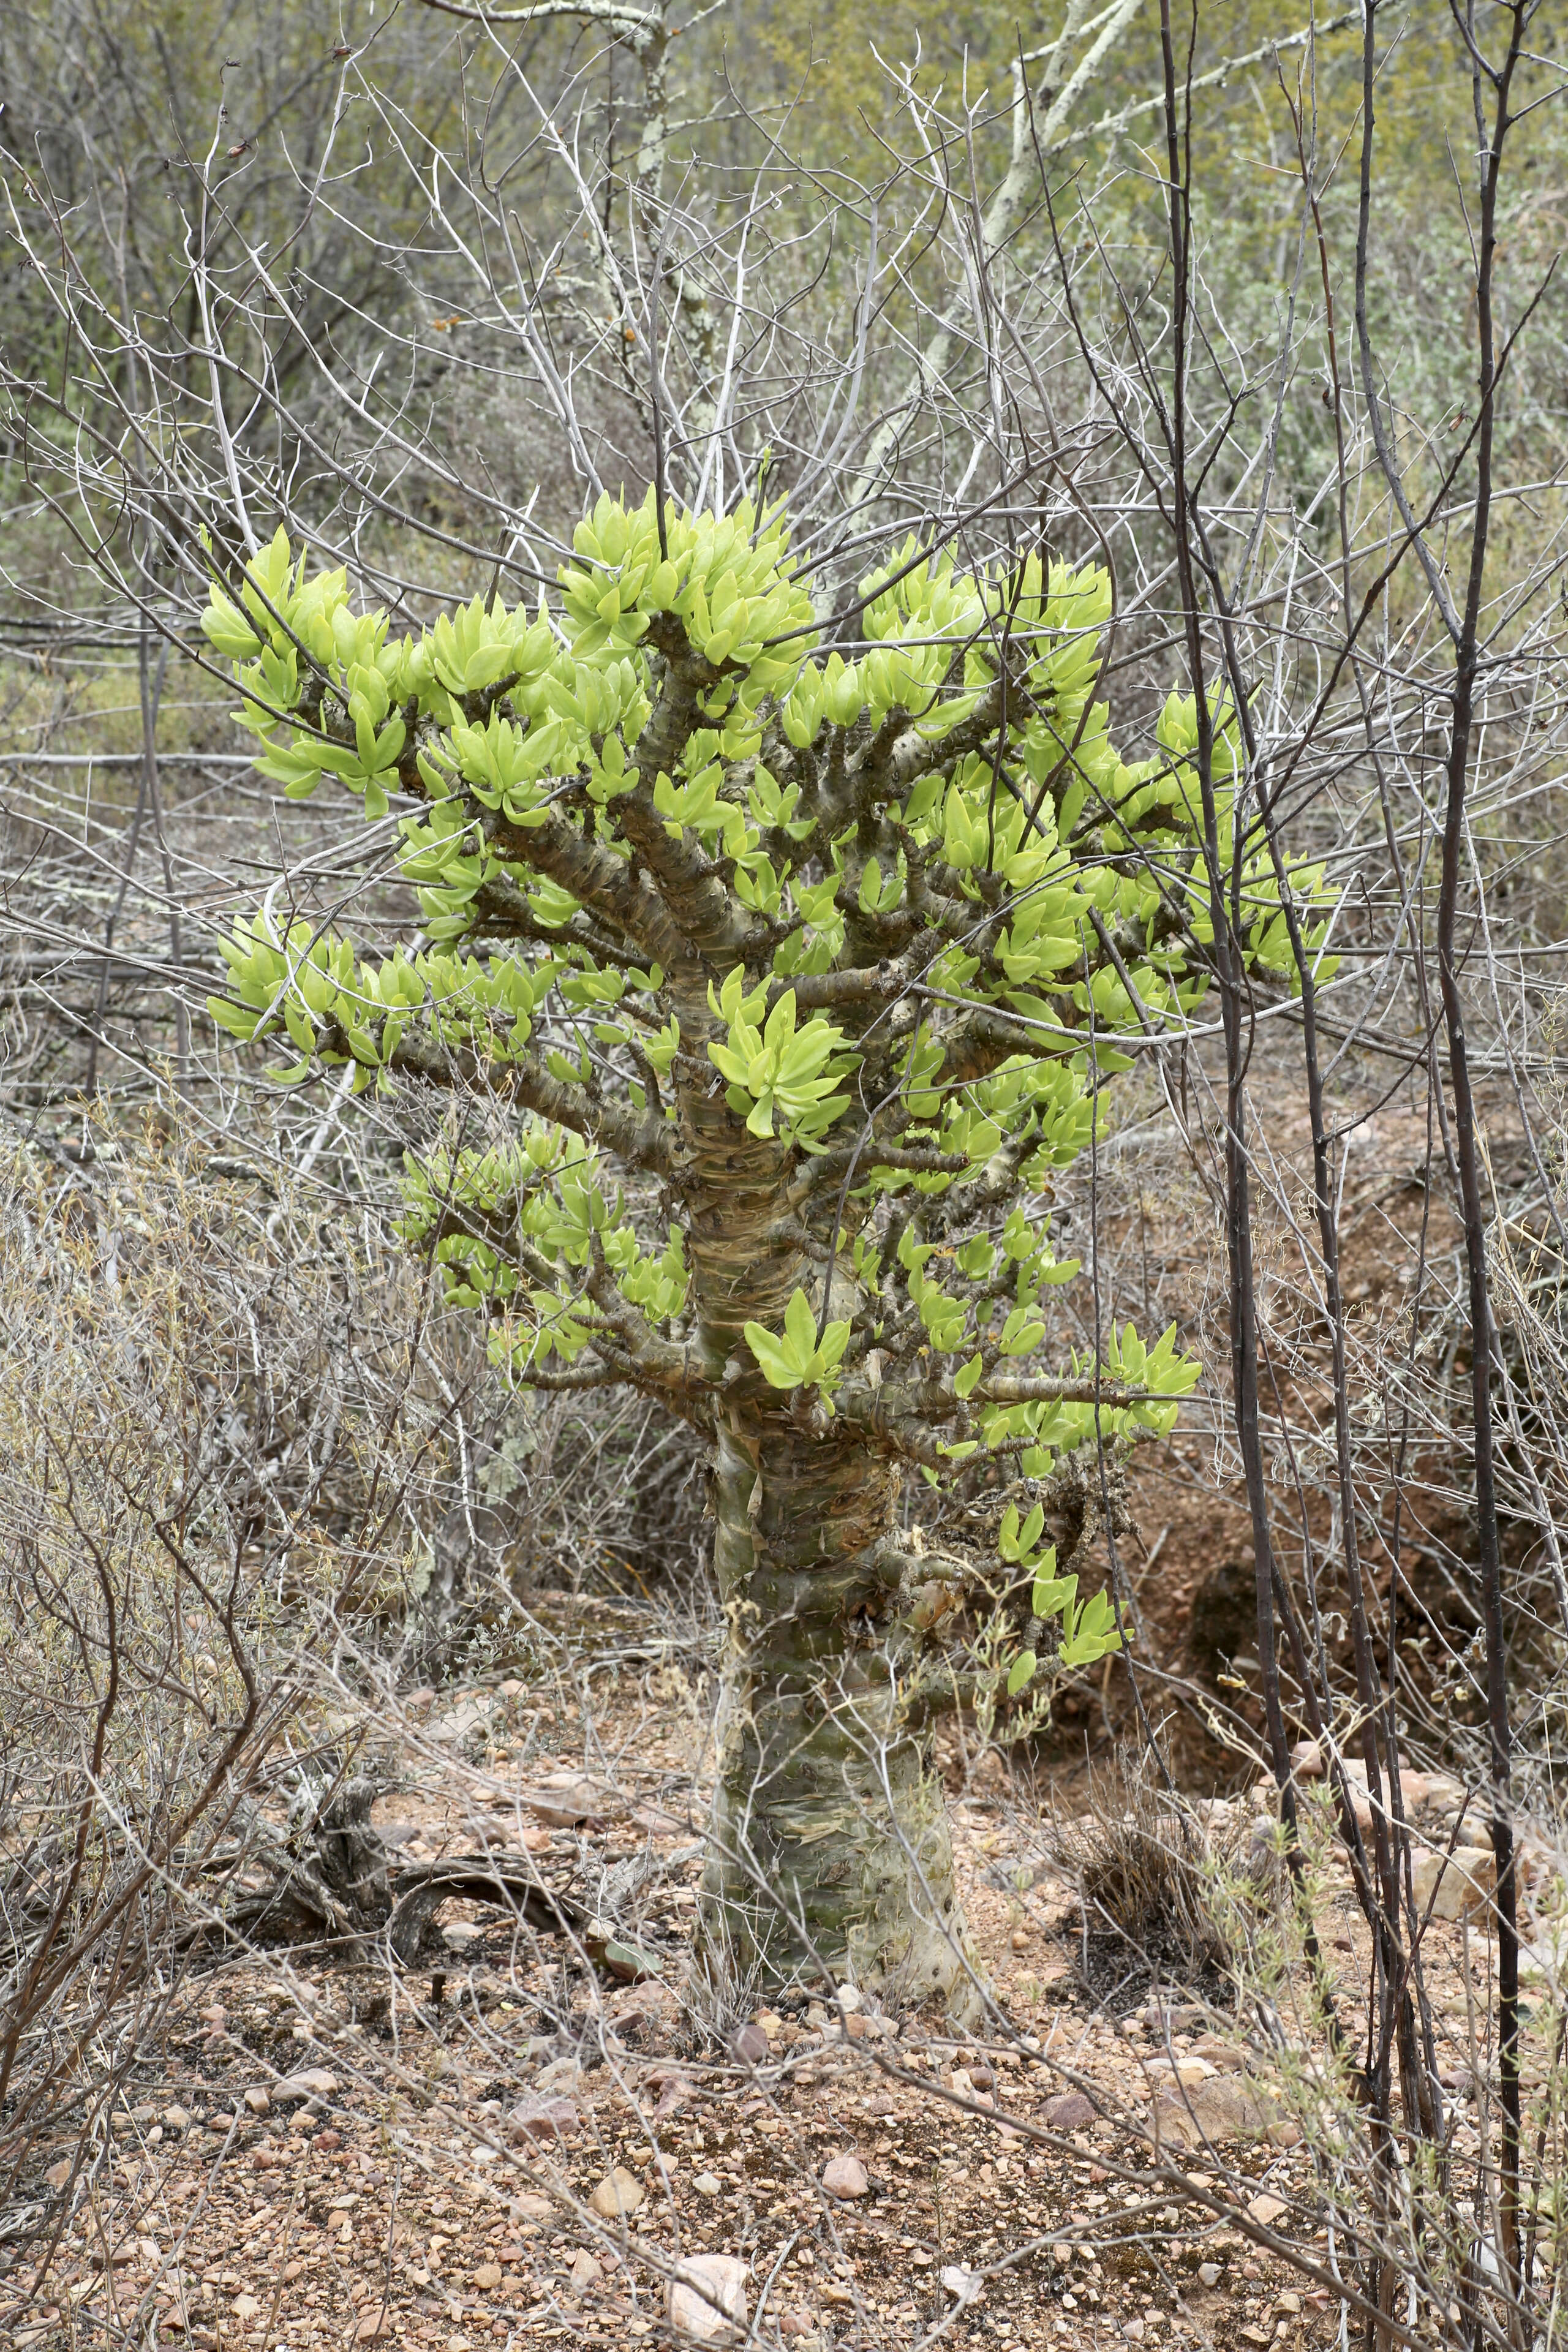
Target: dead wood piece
(509,1881)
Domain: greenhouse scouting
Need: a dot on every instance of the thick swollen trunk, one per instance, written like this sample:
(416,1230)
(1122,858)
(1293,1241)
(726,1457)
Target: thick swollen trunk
(830,1851)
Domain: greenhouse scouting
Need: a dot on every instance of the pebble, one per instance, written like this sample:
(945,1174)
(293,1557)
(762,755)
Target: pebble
(749,2045)
(488,2277)
(1265,2211)
(702,2281)
(1208,2273)
(569,1801)
(175,2119)
(960,2283)
(544,2119)
(259,2103)
(585,2272)
(619,2192)
(845,2176)
(312,2083)
(1069,2111)
(707,2184)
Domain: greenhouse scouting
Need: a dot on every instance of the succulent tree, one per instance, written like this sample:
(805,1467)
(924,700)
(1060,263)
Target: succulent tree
(789,983)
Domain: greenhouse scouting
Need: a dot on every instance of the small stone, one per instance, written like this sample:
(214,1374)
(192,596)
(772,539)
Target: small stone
(544,2119)
(585,2272)
(220,2124)
(707,2184)
(707,2294)
(1069,2111)
(959,2283)
(619,2192)
(749,2045)
(1288,2304)
(1307,1761)
(849,1998)
(258,2102)
(567,1801)
(982,2076)
(1459,1886)
(488,2277)
(648,2007)
(1019,1940)
(1224,2106)
(1134,2330)
(312,2083)
(530,2206)
(1287,2133)
(175,2119)
(58,2174)
(244,2307)
(1265,2211)
(371,2324)
(1208,2273)
(460,1934)
(857,2026)
(845,2176)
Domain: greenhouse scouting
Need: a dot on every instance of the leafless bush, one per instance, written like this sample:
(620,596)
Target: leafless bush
(1144,1860)
(211,1438)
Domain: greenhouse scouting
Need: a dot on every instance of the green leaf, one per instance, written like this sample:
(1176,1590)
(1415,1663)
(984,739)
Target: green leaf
(1094,1636)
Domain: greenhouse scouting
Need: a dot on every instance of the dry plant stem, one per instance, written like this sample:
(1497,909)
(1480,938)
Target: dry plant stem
(1224,915)
(1234,1005)
(1466,659)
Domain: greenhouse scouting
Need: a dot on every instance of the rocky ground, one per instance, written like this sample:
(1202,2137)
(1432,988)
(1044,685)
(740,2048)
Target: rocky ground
(533,2134)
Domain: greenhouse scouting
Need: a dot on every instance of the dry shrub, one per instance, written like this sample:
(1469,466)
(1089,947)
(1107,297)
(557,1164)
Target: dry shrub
(209,1428)
(1156,1874)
